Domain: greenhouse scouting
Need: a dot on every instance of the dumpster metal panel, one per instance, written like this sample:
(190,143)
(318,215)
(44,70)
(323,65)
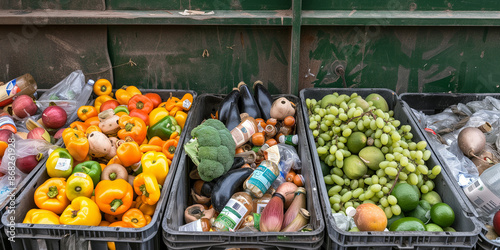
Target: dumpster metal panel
(53,4)
(198,4)
(404,59)
(50,53)
(409,5)
(208,59)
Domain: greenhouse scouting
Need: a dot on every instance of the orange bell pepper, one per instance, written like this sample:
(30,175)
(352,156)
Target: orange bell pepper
(93,121)
(174,110)
(169,148)
(82,126)
(92,128)
(76,142)
(42,216)
(100,100)
(146,209)
(102,87)
(114,197)
(148,147)
(124,94)
(104,223)
(156,140)
(85,112)
(113,160)
(134,217)
(133,127)
(113,218)
(181,118)
(140,102)
(102,166)
(148,219)
(51,195)
(186,102)
(120,224)
(129,153)
(170,103)
(147,187)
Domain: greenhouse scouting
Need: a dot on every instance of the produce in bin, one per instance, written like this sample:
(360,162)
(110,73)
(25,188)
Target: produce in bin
(373,170)
(113,164)
(240,181)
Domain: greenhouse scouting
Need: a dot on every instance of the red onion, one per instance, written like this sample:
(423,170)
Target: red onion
(54,117)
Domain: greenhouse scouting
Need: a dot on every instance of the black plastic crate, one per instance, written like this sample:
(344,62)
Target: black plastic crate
(54,237)
(434,103)
(174,216)
(467,226)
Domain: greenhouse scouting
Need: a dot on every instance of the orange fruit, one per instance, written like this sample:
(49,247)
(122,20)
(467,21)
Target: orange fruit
(369,217)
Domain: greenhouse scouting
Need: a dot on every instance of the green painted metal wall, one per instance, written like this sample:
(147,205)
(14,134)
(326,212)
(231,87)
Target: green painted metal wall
(407,46)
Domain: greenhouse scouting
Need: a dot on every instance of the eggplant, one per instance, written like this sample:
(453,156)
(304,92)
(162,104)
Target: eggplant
(237,163)
(263,99)
(247,103)
(233,117)
(224,107)
(227,185)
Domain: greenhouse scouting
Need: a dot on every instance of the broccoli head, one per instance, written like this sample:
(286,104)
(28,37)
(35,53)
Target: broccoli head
(211,149)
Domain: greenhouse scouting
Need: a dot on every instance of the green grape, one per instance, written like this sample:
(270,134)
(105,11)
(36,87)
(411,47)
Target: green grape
(380,173)
(388,212)
(368,181)
(385,149)
(334,110)
(410,167)
(423,169)
(384,139)
(403,161)
(325,137)
(406,128)
(377,143)
(321,142)
(368,201)
(386,129)
(412,146)
(430,185)
(351,125)
(339,156)
(391,171)
(424,189)
(385,190)
(379,113)
(321,112)
(375,199)
(334,200)
(339,163)
(375,188)
(397,149)
(328,123)
(380,194)
(337,122)
(333,149)
(344,106)
(389,157)
(338,171)
(375,180)
(357,113)
(330,158)
(403,144)
(362,197)
(350,112)
(421,145)
(369,194)
(347,196)
(391,113)
(380,122)
(361,183)
(343,191)
(330,117)
(322,150)
(336,207)
(412,154)
(338,180)
(395,137)
(357,192)
(317,118)
(340,145)
(360,125)
(313,125)
(347,132)
(377,134)
(403,176)
(383,201)
(342,139)
(347,182)
(348,204)
(369,132)
(382,180)
(356,204)
(408,136)
(354,184)
(413,179)
(323,127)
(392,164)
(420,162)
(343,116)
(431,176)
(392,200)
(406,152)
(396,123)
(315,133)
(373,125)
(366,122)
(419,155)
(398,156)
(328,180)
(436,170)
(396,209)
(426,155)
(346,153)
(383,164)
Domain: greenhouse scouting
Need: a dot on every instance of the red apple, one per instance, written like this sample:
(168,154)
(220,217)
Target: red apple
(24,106)
(496,222)
(58,134)
(54,117)
(39,133)
(5,135)
(27,163)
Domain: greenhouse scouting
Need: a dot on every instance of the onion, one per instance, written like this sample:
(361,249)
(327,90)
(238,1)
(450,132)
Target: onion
(28,163)
(24,106)
(471,141)
(39,134)
(287,189)
(271,218)
(54,117)
(298,202)
(58,134)
(5,135)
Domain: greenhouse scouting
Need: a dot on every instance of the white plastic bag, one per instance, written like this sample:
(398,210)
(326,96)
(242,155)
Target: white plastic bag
(65,93)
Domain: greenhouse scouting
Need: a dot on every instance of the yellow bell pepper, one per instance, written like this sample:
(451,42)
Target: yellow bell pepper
(148,218)
(100,100)
(59,163)
(181,118)
(124,94)
(79,184)
(82,211)
(147,187)
(155,163)
(146,209)
(102,87)
(156,115)
(41,216)
(76,142)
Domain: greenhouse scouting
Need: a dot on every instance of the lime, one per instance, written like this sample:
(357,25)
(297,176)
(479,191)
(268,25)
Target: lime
(356,142)
(354,229)
(371,156)
(425,205)
(394,218)
(418,191)
(354,167)
(420,213)
(324,168)
(442,214)
(432,197)
(407,224)
(360,102)
(328,100)
(449,229)
(378,101)
(431,227)
(406,195)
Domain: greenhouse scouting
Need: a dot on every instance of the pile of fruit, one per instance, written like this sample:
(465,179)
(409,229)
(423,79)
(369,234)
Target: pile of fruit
(115,161)
(367,156)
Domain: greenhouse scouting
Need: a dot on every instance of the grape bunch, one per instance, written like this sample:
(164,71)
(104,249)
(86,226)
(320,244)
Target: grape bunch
(343,127)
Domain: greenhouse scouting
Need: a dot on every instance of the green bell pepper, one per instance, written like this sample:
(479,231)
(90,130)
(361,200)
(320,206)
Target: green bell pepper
(121,108)
(164,128)
(92,168)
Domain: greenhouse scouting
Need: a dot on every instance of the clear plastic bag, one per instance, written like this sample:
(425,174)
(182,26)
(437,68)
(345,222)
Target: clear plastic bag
(21,148)
(289,159)
(65,94)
